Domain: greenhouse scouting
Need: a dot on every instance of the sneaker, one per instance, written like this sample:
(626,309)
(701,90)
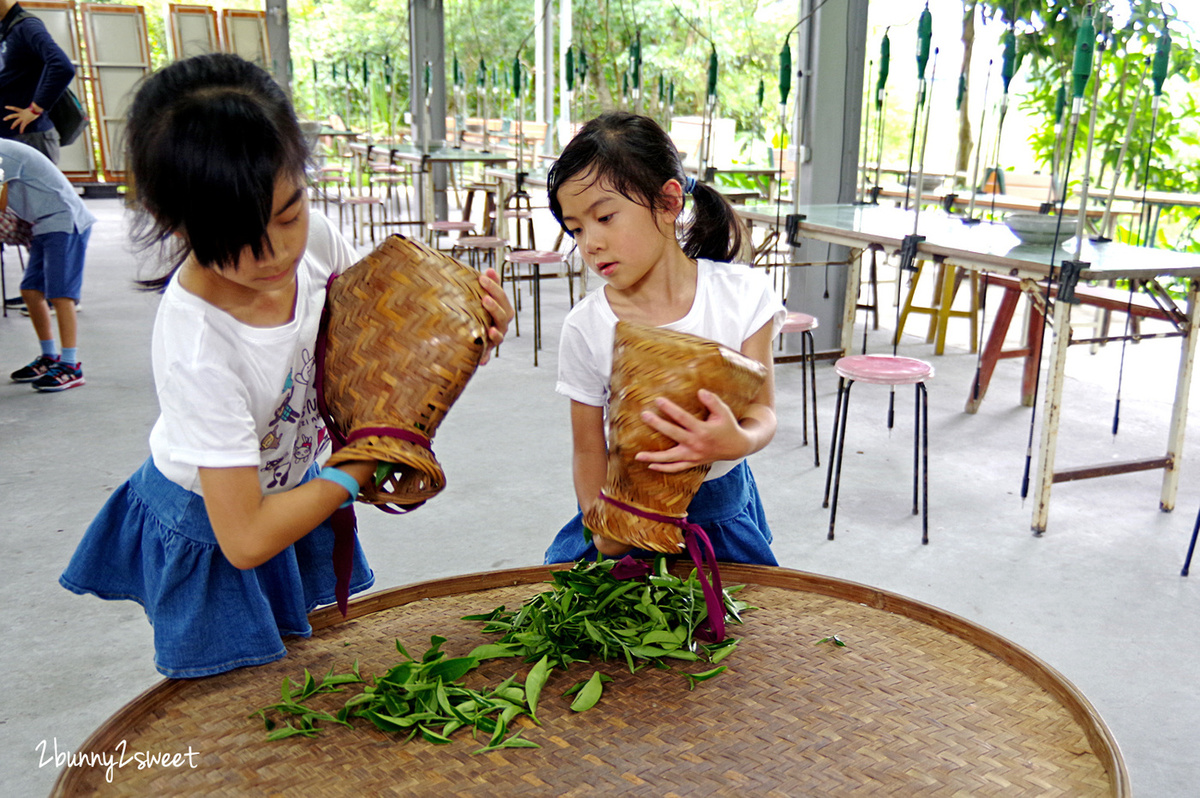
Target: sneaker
(15,302)
(60,377)
(35,369)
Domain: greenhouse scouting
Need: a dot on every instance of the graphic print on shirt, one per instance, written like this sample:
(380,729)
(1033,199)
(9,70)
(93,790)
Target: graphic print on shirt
(295,431)
(279,469)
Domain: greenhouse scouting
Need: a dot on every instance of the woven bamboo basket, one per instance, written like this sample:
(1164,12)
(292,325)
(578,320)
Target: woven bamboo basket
(406,330)
(920,702)
(649,362)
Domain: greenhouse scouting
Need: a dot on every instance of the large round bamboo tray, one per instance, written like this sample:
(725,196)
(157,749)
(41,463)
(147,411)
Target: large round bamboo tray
(918,702)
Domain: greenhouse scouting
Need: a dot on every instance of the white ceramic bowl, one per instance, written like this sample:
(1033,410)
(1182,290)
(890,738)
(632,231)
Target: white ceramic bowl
(1038,228)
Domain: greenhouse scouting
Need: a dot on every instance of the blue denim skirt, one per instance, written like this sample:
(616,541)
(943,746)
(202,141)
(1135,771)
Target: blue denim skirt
(152,543)
(727,508)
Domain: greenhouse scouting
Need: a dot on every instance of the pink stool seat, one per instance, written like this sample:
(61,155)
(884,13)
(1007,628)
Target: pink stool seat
(884,369)
(538,256)
(797,322)
(451,226)
(481,242)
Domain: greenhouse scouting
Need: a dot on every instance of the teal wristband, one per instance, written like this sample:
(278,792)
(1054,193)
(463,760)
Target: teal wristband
(343,479)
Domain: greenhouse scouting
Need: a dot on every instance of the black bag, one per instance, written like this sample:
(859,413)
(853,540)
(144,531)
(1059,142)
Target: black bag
(68,117)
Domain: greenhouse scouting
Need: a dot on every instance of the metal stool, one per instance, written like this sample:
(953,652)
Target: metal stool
(488,190)
(480,251)
(450,227)
(804,324)
(534,259)
(368,202)
(882,370)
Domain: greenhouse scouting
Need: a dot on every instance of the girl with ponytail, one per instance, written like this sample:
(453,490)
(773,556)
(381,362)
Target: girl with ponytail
(620,191)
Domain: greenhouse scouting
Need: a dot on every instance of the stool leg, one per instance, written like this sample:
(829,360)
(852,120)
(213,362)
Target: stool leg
(837,418)
(537,311)
(840,443)
(804,336)
(916,447)
(812,375)
(1187,563)
(924,392)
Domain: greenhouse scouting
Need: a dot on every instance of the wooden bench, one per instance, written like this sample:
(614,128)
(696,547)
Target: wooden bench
(1139,306)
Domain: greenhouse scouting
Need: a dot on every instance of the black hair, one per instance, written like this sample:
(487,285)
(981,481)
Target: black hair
(636,157)
(206,139)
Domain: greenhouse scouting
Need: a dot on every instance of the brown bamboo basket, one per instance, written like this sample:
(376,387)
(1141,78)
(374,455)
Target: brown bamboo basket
(649,362)
(406,331)
(920,702)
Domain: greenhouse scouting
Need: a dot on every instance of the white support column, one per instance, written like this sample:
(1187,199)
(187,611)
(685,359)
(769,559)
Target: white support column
(278,42)
(565,39)
(543,81)
(427,42)
(832,56)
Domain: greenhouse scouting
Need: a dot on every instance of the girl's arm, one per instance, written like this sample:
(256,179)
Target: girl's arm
(719,436)
(251,527)
(589,462)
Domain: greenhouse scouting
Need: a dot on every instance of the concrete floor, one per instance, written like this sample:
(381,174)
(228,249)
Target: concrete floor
(1099,597)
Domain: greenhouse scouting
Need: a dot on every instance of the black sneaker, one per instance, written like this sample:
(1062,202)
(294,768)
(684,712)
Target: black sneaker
(15,302)
(60,377)
(34,370)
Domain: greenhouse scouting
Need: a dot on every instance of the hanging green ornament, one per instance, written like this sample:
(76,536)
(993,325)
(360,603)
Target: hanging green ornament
(785,73)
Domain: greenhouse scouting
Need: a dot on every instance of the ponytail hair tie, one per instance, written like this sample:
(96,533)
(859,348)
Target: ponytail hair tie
(689,185)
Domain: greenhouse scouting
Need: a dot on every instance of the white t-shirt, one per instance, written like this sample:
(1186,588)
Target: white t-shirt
(733,301)
(235,395)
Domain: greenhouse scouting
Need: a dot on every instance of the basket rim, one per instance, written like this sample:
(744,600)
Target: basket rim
(1099,736)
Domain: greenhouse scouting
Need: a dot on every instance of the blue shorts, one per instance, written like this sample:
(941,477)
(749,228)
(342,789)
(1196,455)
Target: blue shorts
(56,264)
(728,509)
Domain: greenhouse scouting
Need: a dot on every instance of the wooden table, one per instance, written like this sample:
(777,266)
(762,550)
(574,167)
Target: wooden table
(427,157)
(1152,202)
(991,247)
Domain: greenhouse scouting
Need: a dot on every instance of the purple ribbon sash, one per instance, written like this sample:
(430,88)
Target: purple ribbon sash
(712,630)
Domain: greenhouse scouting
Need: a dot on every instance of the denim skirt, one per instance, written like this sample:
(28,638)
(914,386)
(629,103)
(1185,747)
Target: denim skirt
(727,508)
(152,543)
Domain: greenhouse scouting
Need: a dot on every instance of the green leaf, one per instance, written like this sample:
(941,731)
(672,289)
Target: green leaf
(432,736)
(589,694)
(534,683)
(493,651)
(696,678)
(451,670)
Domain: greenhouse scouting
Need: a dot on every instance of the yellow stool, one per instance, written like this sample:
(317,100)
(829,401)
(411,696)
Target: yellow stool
(941,309)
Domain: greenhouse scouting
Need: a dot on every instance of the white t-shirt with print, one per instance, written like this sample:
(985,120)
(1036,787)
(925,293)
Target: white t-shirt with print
(733,301)
(234,395)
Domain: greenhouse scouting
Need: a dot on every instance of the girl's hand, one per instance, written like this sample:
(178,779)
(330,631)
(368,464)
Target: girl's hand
(496,303)
(698,441)
(609,547)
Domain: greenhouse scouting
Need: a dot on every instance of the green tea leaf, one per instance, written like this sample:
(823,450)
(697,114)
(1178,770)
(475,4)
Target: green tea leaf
(534,683)
(589,694)
(696,678)
(493,651)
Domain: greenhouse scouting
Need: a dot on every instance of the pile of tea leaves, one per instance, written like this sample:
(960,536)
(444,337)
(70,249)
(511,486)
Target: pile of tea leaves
(613,610)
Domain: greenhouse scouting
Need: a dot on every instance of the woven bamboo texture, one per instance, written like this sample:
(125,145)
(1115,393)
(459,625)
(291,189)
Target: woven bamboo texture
(649,362)
(406,332)
(919,702)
